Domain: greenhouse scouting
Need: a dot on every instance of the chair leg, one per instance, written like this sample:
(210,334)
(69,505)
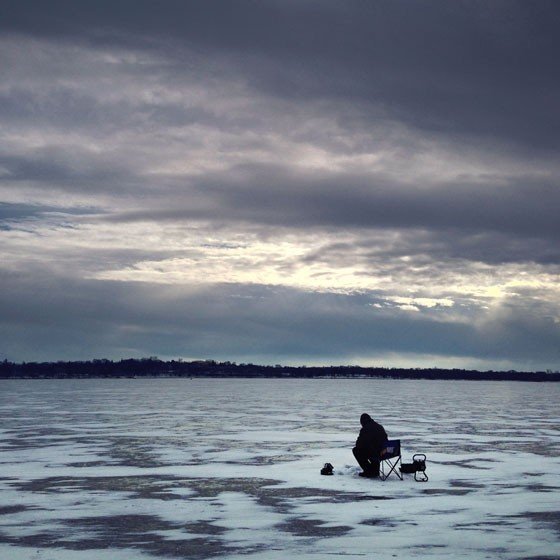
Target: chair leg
(420,476)
(393,468)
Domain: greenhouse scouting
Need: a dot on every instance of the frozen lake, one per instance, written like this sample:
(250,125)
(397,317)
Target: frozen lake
(180,468)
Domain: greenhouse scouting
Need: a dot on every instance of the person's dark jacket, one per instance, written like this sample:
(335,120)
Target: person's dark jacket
(372,438)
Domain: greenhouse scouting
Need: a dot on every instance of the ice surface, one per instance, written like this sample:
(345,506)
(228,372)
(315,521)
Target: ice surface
(180,468)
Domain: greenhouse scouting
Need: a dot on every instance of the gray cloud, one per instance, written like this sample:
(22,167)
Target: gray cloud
(348,200)
(475,220)
(79,319)
(460,68)
(21,211)
(431,249)
(78,171)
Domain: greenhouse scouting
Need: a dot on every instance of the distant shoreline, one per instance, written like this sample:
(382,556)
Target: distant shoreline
(155,368)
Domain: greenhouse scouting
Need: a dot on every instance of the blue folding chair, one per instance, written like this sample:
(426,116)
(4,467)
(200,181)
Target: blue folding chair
(390,460)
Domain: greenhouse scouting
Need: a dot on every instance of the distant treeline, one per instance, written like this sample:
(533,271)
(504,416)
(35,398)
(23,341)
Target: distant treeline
(153,367)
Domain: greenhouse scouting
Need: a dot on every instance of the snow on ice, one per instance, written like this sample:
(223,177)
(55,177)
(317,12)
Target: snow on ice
(208,468)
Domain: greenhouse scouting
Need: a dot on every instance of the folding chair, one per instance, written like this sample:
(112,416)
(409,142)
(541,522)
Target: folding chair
(390,460)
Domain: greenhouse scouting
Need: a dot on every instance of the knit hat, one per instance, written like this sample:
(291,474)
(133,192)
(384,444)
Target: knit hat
(365,419)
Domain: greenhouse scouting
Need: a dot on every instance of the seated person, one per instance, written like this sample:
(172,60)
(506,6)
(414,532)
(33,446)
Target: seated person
(369,445)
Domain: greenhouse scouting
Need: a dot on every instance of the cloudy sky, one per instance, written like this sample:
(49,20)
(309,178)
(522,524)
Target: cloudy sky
(281,181)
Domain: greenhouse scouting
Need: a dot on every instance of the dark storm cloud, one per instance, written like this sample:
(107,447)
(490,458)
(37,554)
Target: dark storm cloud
(463,68)
(431,249)
(80,319)
(520,218)
(21,213)
(75,171)
(348,200)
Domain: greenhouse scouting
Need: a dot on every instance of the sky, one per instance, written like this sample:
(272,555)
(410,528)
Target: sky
(281,181)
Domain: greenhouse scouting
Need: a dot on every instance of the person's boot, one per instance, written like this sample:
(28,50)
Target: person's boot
(369,474)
